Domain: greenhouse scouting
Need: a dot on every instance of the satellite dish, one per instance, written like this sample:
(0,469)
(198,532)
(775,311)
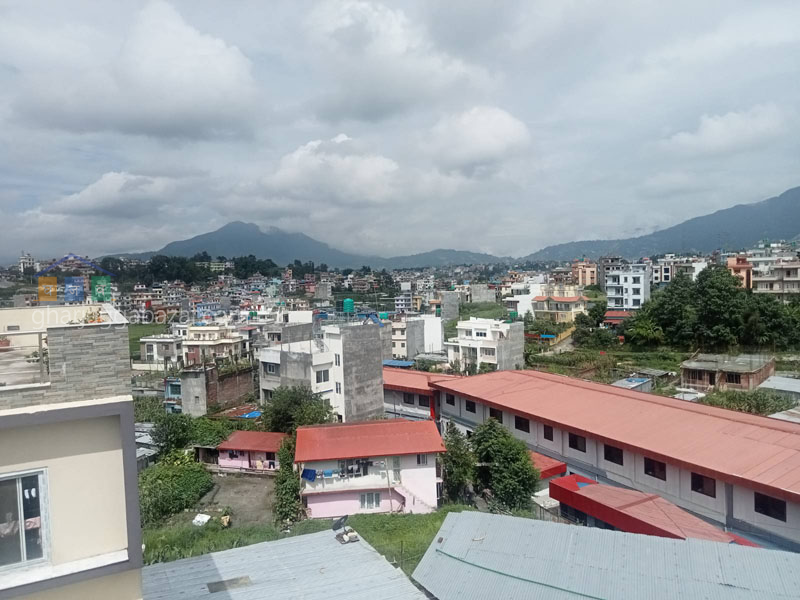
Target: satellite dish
(339,523)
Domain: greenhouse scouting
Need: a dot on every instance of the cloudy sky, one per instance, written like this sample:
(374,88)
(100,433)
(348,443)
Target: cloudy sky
(389,128)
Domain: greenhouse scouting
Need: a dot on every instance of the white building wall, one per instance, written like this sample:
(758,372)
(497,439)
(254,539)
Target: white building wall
(433,333)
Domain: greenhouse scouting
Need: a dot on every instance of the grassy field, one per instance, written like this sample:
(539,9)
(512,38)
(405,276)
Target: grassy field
(402,539)
(167,543)
(136,331)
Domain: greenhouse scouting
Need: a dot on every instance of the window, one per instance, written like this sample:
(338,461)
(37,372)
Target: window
(735,378)
(771,507)
(323,376)
(480,334)
(577,442)
(422,459)
(548,432)
(271,368)
(637,302)
(149,347)
(612,454)
(21,517)
(636,280)
(655,468)
(704,485)
(12,327)
(337,359)
(338,388)
(233,454)
(637,291)
(424,401)
(694,375)
(487,352)
(450,399)
(522,424)
(408,398)
(469,405)
(371,500)
(402,344)
(496,414)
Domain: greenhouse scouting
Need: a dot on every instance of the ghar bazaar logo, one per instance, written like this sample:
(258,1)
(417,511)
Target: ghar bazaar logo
(75,288)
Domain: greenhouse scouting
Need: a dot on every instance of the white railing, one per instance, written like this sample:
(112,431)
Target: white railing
(23,358)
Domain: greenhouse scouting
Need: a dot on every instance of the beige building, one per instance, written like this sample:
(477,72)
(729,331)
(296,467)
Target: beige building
(782,281)
(584,273)
(69,511)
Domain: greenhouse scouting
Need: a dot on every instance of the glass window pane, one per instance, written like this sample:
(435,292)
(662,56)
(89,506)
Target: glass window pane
(31,509)
(10,547)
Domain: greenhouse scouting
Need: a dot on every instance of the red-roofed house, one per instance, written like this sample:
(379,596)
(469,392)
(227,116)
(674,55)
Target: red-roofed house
(369,467)
(615,317)
(547,467)
(590,503)
(408,394)
(735,469)
(250,451)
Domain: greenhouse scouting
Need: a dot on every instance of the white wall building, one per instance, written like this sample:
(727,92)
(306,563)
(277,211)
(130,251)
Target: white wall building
(628,288)
(487,341)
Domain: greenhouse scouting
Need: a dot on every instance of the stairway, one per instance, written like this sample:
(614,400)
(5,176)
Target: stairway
(412,500)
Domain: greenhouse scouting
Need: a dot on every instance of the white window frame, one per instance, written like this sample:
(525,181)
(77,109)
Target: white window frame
(370,500)
(337,360)
(323,376)
(44,517)
(338,388)
(422,459)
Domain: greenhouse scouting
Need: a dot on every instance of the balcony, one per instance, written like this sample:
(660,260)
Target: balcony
(379,479)
(23,358)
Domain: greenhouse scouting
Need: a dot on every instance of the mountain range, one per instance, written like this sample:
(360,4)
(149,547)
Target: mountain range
(733,228)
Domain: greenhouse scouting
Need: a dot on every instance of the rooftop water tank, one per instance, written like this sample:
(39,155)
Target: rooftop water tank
(348,306)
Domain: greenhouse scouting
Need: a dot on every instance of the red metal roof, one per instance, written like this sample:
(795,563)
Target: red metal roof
(547,467)
(253,441)
(415,382)
(634,511)
(618,314)
(391,437)
(757,452)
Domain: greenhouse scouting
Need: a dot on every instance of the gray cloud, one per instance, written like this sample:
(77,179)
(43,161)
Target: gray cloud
(388,127)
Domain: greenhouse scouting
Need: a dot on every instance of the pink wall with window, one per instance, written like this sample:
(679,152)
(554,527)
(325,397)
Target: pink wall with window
(247,460)
(338,504)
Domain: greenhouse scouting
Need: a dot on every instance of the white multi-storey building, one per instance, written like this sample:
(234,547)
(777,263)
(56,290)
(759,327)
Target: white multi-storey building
(491,341)
(628,288)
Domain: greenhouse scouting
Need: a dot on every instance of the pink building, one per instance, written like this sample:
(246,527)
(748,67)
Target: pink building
(251,451)
(369,467)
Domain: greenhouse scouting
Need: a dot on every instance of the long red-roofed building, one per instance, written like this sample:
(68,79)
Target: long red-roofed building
(369,467)
(736,469)
(408,394)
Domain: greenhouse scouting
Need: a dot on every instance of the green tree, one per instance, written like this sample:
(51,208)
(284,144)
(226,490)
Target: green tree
(295,406)
(210,432)
(288,507)
(529,321)
(172,432)
(720,308)
(644,332)
(503,465)
(458,464)
(171,485)
(598,312)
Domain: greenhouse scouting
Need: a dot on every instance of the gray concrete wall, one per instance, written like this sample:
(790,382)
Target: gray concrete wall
(386,341)
(194,400)
(296,368)
(481,293)
(85,363)
(511,351)
(450,305)
(415,338)
(362,367)
(297,332)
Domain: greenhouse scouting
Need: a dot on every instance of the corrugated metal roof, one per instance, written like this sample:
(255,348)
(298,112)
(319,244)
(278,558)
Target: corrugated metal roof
(416,382)
(634,511)
(757,452)
(740,363)
(307,566)
(391,437)
(782,384)
(495,556)
(253,441)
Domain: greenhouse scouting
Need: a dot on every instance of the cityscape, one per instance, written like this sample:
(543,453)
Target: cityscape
(447,361)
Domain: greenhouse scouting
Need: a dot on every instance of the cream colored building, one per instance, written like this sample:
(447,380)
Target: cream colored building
(69,513)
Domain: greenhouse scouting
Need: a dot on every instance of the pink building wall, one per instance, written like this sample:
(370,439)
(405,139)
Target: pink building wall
(338,504)
(245,460)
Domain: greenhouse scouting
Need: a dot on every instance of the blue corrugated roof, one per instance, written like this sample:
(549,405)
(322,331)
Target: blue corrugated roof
(402,364)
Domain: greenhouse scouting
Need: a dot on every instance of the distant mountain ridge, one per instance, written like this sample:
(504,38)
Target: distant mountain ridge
(732,228)
(242,239)
(735,228)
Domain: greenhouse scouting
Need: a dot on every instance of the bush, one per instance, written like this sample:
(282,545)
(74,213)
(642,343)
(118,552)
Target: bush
(171,485)
(209,432)
(288,507)
(757,402)
(147,409)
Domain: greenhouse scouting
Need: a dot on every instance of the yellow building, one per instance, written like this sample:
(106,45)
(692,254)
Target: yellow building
(69,511)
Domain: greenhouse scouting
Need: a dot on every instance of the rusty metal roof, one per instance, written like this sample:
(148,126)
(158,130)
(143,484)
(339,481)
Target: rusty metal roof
(391,437)
(757,452)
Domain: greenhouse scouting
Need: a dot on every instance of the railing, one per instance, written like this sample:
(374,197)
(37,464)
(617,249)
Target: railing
(23,358)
